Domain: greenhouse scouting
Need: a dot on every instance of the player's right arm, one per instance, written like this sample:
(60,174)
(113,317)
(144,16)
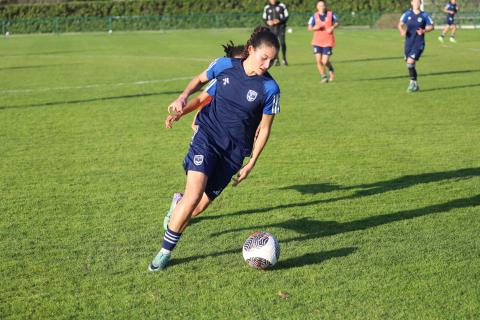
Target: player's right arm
(311,24)
(193,86)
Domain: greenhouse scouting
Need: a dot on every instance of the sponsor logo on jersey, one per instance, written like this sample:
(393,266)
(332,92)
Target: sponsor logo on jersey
(226,81)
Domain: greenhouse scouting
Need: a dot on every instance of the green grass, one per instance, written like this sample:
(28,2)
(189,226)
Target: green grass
(373,193)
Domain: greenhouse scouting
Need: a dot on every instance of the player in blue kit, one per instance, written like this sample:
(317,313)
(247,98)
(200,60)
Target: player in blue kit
(413,25)
(245,97)
(451,10)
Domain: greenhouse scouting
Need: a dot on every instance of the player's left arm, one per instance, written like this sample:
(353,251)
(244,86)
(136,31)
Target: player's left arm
(263,130)
(429,26)
(335,24)
(283,19)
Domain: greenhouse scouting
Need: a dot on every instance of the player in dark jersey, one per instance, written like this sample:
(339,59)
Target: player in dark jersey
(245,97)
(413,25)
(451,10)
(275,16)
(203,99)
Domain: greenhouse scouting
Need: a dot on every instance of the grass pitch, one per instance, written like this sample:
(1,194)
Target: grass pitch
(373,193)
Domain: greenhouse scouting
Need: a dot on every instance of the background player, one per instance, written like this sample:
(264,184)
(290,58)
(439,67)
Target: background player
(322,23)
(413,25)
(275,16)
(245,97)
(451,10)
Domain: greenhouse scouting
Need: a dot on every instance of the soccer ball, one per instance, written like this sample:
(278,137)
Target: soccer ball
(261,250)
(289,30)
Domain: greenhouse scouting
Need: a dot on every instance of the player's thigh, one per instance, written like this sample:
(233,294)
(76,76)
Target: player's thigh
(226,168)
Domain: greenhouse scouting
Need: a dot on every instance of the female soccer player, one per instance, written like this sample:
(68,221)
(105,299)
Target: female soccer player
(245,97)
(322,23)
(451,10)
(203,99)
(413,25)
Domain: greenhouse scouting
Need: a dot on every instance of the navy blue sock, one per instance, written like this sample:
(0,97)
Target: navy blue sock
(412,72)
(170,239)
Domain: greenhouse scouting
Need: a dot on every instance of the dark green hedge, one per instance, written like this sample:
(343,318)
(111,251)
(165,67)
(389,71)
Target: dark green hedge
(181,7)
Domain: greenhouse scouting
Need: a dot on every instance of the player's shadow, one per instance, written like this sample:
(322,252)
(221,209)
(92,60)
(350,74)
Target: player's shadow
(79,101)
(349,61)
(314,258)
(309,228)
(359,191)
(40,66)
(423,75)
(313,229)
(451,87)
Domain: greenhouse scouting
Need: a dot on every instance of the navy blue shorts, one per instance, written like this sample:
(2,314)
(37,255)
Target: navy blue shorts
(414,52)
(322,50)
(450,20)
(218,165)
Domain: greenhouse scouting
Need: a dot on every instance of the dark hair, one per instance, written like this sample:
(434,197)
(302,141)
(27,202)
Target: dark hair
(261,36)
(231,50)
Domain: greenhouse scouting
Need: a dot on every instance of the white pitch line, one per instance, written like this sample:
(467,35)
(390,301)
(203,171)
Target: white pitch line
(96,85)
(475,49)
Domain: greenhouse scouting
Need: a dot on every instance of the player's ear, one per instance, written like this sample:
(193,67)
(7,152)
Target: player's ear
(250,50)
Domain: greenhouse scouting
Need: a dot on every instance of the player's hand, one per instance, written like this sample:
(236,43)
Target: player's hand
(242,174)
(420,31)
(330,30)
(176,107)
(403,33)
(270,23)
(170,119)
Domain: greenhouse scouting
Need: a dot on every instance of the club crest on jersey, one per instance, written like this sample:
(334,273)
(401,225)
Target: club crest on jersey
(251,95)
(419,19)
(198,159)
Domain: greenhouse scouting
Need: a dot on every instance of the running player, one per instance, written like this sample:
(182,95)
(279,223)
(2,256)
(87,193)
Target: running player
(245,97)
(451,10)
(413,25)
(322,23)
(203,99)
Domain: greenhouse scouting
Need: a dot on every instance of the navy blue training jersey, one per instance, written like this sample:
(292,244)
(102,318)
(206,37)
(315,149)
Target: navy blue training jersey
(413,22)
(238,103)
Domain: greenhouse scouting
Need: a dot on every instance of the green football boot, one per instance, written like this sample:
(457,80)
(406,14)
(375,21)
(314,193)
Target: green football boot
(177,196)
(160,262)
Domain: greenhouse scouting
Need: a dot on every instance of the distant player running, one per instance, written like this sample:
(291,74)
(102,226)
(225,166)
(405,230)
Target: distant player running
(451,10)
(203,99)
(413,25)
(322,23)
(245,97)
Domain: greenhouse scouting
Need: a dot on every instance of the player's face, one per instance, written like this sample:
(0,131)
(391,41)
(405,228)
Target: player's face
(321,6)
(272,2)
(415,4)
(261,58)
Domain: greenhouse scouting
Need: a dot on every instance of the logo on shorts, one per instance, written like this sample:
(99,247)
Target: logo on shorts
(251,95)
(216,192)
(198,159)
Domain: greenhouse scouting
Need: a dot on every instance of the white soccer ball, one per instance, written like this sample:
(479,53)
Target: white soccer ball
(110,31)
(289,30)
(7,34)
(261,250)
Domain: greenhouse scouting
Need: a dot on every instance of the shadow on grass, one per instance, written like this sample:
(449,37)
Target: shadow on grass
(40,66)
(313,258)
(335,61)
(69,102)
(405,76)
(451,87)
(368,189)
(313,229)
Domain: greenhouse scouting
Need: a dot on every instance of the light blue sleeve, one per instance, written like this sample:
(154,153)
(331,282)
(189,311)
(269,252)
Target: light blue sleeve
(271,103)
(211,88)
(334,17)
(218,66)
(428,20)
(311,21)
(404,18)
